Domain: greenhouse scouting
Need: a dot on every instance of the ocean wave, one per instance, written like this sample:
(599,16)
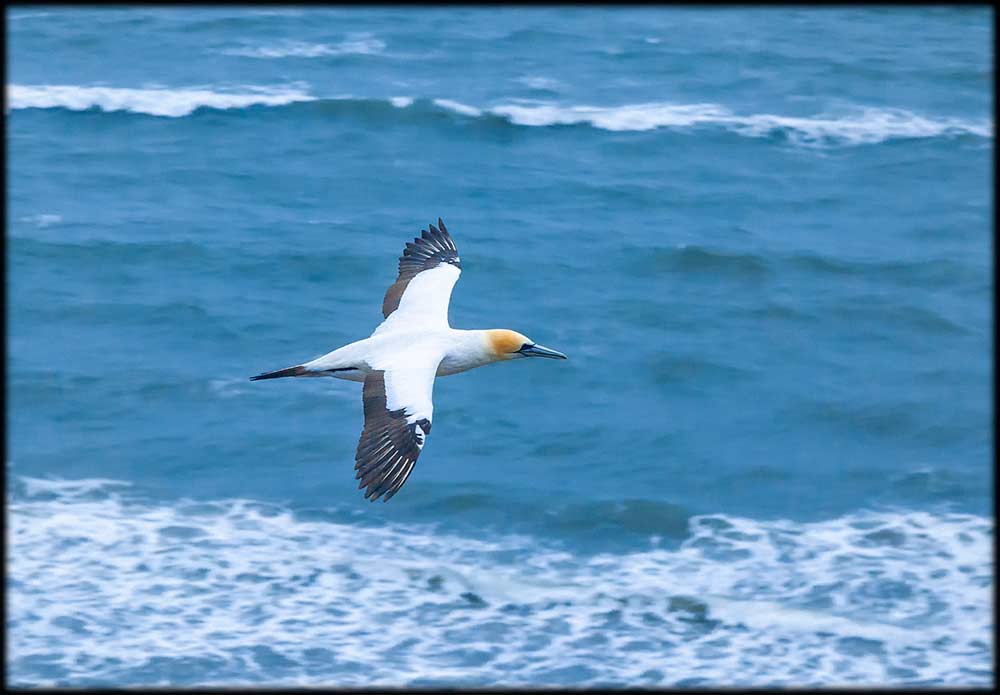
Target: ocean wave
(675,369)
(919,272)
(761,264)
(100,252)
(152,101)
(104,587)
(701,259)
(364,44)
(458,107)
(863,125)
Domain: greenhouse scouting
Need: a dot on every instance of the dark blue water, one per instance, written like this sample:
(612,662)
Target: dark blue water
(762,236)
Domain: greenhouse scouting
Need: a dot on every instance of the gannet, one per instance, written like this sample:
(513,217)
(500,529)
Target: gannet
(398,362)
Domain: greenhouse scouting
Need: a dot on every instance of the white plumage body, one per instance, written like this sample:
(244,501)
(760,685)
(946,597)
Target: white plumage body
(450,349)
(398,362)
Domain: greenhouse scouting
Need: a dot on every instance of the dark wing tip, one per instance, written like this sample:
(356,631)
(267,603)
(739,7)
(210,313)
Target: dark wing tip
(432,247)
(442,236)
(389,445)
(431,240)
(383,479)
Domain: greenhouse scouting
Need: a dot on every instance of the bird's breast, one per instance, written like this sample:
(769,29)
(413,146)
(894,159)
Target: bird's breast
(460,361)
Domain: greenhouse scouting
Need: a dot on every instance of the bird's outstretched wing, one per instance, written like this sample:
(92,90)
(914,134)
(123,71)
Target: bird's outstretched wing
(428,270)
(398,413)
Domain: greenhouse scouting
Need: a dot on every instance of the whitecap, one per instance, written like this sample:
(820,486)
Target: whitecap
(41,220)
(849,126)
(458,107)
(363,44)
(864,125)
(632,117)
(153,101)
(539,82)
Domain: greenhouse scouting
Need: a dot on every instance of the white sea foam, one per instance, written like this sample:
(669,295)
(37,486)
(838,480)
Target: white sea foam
(41,220)
(14,17)
(152,101)
(68,489)
(103,589)
(458,107)
(634,117)
(859,126)
(539,82)
(362,44)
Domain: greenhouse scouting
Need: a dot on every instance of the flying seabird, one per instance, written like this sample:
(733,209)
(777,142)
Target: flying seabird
(399,361)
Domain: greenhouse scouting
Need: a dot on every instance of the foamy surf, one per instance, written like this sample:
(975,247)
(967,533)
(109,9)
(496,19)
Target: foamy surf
(152,101)
(860,126)
(102,586)
(863,125)
(855,126)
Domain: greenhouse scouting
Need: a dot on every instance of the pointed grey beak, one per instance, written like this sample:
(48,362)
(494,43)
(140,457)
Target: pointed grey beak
(541,351)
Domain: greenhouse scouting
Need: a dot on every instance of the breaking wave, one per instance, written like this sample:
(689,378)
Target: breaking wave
(172,103)
(106,588)
(862,125)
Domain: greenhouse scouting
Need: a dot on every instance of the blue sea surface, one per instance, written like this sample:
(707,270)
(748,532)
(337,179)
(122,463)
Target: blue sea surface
(761,235)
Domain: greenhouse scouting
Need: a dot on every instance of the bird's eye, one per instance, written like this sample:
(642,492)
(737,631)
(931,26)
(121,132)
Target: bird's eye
(526,346)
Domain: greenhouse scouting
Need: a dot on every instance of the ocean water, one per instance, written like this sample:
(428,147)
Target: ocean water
(762,236)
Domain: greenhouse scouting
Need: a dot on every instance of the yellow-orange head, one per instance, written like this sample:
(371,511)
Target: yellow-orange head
(509,345)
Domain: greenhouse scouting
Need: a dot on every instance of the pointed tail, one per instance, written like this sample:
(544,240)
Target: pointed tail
(290,371)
